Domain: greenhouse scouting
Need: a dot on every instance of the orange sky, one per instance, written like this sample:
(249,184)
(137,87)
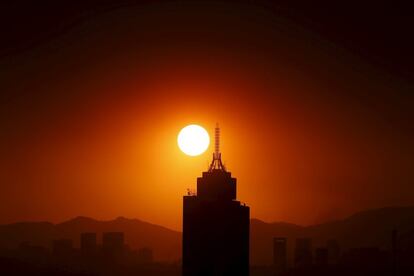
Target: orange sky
(308,136)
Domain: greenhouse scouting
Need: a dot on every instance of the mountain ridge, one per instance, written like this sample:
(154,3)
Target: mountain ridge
(371,227)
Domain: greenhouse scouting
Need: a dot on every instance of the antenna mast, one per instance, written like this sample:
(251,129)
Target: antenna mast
(216,164)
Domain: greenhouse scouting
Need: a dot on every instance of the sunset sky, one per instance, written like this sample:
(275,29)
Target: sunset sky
(90,115)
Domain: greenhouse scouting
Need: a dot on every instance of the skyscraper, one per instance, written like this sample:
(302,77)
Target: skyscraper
(113,245)
(215,224)
(280,254)
(88,244)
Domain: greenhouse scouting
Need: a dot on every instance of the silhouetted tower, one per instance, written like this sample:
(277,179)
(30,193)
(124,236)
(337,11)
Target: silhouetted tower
(215,224)
(303,252)
(88,244)
(280,254)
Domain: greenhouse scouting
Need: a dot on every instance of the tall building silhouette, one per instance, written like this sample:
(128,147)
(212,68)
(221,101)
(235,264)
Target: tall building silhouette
(113,245)
(280,254)
(215,224)
(88,244)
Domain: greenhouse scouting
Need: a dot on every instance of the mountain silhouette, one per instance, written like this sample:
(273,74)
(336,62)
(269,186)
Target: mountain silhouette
(363,229)
(370,228)
(165,243)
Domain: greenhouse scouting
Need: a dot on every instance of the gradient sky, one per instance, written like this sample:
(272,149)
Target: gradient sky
(89,117)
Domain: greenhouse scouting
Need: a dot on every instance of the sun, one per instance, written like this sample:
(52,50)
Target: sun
(193,140)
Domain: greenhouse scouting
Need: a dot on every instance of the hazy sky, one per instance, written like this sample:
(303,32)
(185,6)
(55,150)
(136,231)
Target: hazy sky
(89,117)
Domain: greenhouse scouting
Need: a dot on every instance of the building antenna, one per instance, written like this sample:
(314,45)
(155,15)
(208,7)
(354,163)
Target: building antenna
(217,141)
(216,164)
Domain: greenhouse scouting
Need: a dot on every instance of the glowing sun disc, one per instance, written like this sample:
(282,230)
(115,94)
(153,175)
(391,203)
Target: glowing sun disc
(193,140)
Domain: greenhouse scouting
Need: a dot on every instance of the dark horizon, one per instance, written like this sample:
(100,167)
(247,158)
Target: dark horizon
(388,218)
(374,240)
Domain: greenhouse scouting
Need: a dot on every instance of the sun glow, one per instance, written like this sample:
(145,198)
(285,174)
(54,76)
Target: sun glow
(193,140)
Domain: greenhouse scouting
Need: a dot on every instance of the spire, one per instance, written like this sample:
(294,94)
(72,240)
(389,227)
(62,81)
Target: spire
(216,164)
(217,141)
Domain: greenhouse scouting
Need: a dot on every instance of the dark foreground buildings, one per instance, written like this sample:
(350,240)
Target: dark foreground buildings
(215,225)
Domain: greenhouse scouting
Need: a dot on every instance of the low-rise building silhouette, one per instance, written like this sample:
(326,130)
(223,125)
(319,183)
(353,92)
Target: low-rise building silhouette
(303,252)
(145,255)
(364,257)
(334,251)
(321,256)
(62,250)
(31,252)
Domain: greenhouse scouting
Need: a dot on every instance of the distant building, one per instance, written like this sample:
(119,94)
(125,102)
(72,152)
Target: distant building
(145,256)
(394,250)
(88,244)
(215,225)
(334,251)
(303,252)
(279,254)
(113,245)
(62,248)
(321,256)
(33,252)
(365,257)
